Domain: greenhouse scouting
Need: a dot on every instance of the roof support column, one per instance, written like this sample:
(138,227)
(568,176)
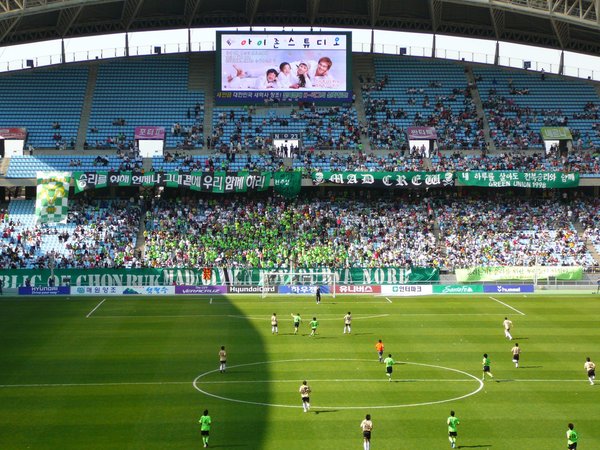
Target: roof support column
(433,47)
(127,44)
(497,53)
(372,40)
(561,64)
(63,58)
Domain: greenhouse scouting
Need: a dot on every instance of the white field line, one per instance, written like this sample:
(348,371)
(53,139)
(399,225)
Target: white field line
(185,316)
(97,306)
(508,306)
(388,300)
(295,381)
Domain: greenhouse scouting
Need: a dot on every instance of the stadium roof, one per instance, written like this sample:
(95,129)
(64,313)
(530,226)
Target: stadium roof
(572,25)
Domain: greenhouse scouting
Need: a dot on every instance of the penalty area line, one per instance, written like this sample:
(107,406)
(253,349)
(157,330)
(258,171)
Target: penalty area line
(508,306)
(97,306)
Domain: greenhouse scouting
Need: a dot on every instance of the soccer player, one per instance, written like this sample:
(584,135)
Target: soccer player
(486,366)
(274,328)
(452,429)
(379,347)
(507,325)
(572,437)
(313,326)
(297,319)
(347,322)
(205,422)
(305,395)
(366,426)
(590,368)
(516,351)
(389,363)
(318,294)
(222,359)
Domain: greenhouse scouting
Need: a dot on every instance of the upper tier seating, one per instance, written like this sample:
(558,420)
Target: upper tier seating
(149,91)
(37,100)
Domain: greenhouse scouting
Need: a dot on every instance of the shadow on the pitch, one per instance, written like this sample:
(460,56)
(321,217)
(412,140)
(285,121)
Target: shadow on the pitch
(520,338)
(323,411)
(475,446)
(530,367)
(227,446)
(362,334)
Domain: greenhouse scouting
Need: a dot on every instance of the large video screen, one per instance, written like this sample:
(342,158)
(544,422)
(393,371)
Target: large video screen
(283,66)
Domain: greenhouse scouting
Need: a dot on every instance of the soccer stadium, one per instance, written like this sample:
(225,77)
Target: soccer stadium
(298,234)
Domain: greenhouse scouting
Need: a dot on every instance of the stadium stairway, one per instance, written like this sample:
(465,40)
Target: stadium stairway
(200,64)
(363,65)
(590,247)
(4,166)
(86,109)
(479,106)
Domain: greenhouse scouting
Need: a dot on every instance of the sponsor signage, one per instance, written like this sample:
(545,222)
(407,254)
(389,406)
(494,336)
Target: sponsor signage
(458,289)
(358,289)
(511,273)
(407,290)
(508,288)
(421,133)
(150,133)
(303,289)
(122,290)
(13,133)
(201,290)
(247,289)
(556,134)
(43,290)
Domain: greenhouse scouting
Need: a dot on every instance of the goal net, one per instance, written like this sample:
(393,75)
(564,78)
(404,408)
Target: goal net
(298,282)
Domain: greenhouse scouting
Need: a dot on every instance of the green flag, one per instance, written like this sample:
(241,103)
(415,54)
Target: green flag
(287,184)
(52,200)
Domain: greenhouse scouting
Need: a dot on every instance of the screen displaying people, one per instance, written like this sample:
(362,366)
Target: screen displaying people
(283,61)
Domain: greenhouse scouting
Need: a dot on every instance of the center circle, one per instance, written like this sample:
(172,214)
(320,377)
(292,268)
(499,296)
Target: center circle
(198,381)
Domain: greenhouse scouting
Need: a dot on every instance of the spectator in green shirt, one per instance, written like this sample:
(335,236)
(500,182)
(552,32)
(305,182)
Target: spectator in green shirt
(205,422)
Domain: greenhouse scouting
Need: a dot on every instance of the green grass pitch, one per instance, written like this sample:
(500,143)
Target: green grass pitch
(136,373)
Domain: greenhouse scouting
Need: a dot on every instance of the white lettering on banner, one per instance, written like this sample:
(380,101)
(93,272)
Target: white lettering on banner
(405,290)
(352,179)
(416,180)
(401,180)
(356,289)
(368,179)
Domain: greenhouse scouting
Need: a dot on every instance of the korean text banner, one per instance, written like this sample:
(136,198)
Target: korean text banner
(217,182)
(534,180)
(52,200)
(390,180)
(281,65)
(149,133)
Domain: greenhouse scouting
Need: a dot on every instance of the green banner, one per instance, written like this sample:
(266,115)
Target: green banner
(505,178)
(217,182)
(14,278)
(287,184)
(389,180)
(556,134)
(514,273)
(52,199)
(457,289)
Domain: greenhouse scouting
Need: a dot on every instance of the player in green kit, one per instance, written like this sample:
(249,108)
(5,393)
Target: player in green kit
(313,326)
(572,437)
(205,422)
(452,430)
(389,363)
(297,319)
(486,366)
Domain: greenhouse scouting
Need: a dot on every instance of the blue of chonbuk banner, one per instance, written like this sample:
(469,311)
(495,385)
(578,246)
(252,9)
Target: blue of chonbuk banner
(45,290)
(302,290)
(508,288)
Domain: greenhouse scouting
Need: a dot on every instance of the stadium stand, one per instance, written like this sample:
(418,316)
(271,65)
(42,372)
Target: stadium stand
(47,102)
(415,92)
(157,94)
